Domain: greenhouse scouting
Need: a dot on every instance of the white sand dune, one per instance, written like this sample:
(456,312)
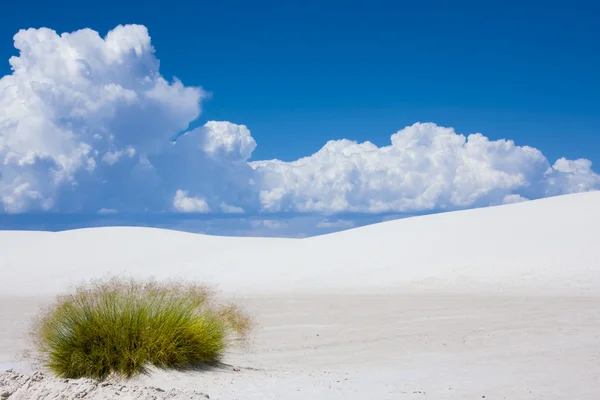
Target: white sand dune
(546,245)
(501,302)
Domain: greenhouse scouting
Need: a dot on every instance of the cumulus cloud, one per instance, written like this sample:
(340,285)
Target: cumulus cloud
(513,198)
(340,223)
(112,157)
(426,167)
(269,223)
(571,176)
(86,123)
(77,98)
(229,209)
(227,140)
(183,203)
(211,162)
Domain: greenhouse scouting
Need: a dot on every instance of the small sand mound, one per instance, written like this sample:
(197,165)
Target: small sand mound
(16,386)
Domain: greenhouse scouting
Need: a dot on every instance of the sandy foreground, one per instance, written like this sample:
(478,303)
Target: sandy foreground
(368,347)
(495,303)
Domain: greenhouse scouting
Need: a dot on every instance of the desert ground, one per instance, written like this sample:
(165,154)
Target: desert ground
(496,303)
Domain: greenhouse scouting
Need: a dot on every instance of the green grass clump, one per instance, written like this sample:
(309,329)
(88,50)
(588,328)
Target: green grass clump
(119,326)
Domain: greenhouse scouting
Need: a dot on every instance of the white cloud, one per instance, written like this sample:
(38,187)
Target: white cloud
(229,209)
(513,198)
(76,90)
(20,195)
(227,140)
(269,223)
(340,223)
(183,203)
(106,211)
(425,167)
(571,176)
(200,162)
(86,122)
(112,157)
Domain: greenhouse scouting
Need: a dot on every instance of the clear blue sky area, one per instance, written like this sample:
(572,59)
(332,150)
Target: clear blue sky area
(301,73)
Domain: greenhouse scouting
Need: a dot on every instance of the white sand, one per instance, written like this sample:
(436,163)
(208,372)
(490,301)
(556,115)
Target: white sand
(500,302)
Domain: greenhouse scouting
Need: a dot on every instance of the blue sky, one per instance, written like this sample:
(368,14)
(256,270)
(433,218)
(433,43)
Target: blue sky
(362,70)
(298,74)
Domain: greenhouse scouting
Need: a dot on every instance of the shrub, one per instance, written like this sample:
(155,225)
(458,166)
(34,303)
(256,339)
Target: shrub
(119,326)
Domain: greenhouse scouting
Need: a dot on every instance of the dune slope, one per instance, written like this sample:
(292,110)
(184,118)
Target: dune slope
(543,245)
